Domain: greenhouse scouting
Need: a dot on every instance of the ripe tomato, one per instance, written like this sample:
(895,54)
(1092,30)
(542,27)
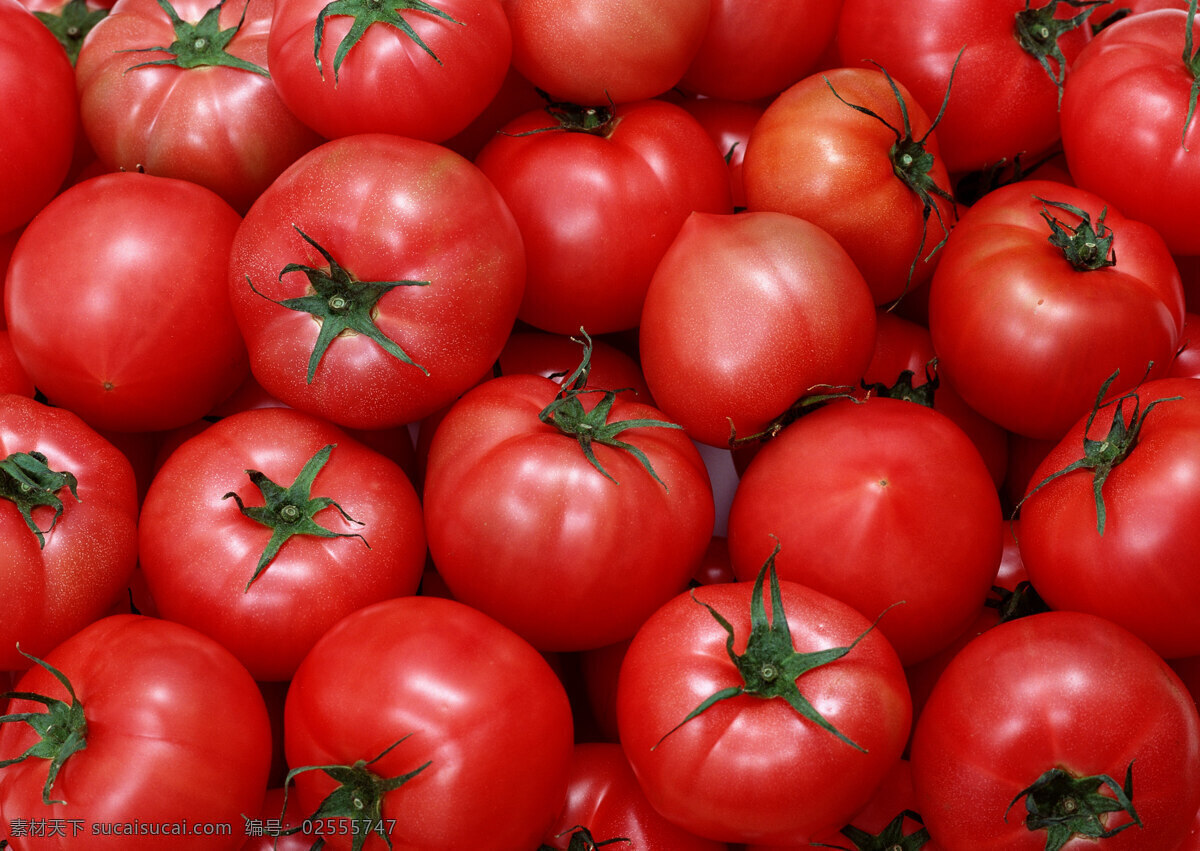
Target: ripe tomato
(1026,744)
(276,581)
(169,740)
(1187,361)
(1030,311)
(599,195)
(439,63)
(749,767)
(444,696)
(108,246)
(376,280)
(745,315)
(69,526)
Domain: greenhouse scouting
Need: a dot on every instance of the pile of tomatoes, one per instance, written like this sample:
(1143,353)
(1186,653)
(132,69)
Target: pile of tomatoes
(565,424)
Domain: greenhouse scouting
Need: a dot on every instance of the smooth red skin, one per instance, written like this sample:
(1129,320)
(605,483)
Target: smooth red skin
(900,345)
(812,156)
(481,705)
(603,795)
(747,55)
(55,591)
(730,772)
(729,123)
(177,730)
(1141,572)
(516,97)
(1024,456)
(555,356)
(387,83)
(1024,337)
(597,213)
(386,208)
(111,248)
(221,127)
(746,314)
(594,52)
(1002,101)
(313,582)
(574,559)
(1066,690)
(860,514)
(1187,361)
(37,87)
(12,375)
(1133,77)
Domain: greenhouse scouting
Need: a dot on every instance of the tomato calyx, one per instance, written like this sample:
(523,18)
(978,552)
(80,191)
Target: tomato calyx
(973,185)
(199,45)
(568,415)
(290,511)
(804,405)
(582,840)
(771,665)
(1191,61)
(1020,602)
(1038,32)
(365,13)
(911,163)
(575,118)
(358,797)
(1087,247)
(27,481)
(1066,806)
(71,24)
(891,838)
(903,388)
(1102,456)
(342,304)
(62,727)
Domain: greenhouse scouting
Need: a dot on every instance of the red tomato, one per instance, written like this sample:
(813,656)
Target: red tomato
(37,88)
(13,378)
(1109,13)
(1026,714)
(276,581)
(414,69)
(1029,317)
(1006,90)
(862,515)
(745,315)
(729,123)
(266,831)
(356,235)
(111,245)
(1127,553)
(729,771)
(815,156)
(746,55)
(1133,77)
(171,743)
(445,696)
(598,207)
(61,570)
(593,52)
(583,541)
(153,99)
(1187,361)
(69,20)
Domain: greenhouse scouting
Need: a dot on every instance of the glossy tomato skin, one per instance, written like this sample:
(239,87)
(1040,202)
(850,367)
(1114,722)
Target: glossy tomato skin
(1132,77)
(388,83)
(1027,339)
(1002,101)
(815,157)
(861,513)
(603,796)
(111,248)
(748,769)
(1141,572)
(176,733)
(598,210)
(386,209)
(575,560)
(37,87)
(199,552)
(594,52)
(729,123)
(1092,700)
(479,704)
(745,315)
(90,551)
(1187,361)
(222,127)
